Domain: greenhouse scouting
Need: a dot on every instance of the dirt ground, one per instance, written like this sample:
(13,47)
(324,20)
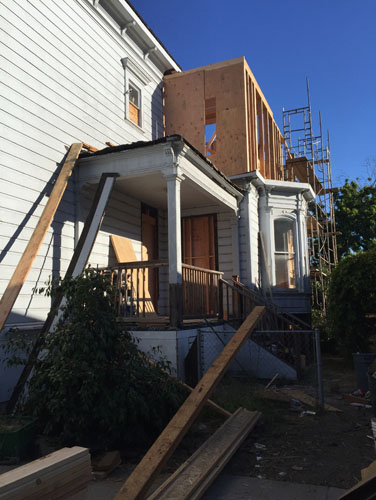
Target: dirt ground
(326,449)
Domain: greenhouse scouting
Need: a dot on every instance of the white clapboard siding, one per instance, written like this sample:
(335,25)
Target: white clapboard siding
(224,239)
(62,81)
(122,218)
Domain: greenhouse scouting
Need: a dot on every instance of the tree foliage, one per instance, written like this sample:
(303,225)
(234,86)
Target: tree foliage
(92,385)
(352,298)
(355,211)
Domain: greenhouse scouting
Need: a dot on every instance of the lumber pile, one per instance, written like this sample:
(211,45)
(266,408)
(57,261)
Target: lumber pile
(64,474)
(193,477)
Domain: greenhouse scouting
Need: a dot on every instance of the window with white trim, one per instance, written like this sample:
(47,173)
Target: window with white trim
(135,81)
(134,104)
(284,253)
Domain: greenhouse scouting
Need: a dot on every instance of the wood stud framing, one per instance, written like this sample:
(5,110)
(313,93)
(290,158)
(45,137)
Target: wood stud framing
(248,138)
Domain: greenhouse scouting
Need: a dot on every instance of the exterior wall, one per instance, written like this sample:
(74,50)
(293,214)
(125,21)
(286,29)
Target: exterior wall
(62,81)
(122,218)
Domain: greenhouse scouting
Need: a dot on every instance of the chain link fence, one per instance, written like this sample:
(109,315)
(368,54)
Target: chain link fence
(291,354)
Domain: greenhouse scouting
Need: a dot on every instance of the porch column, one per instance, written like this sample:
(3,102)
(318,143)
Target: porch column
(174,248)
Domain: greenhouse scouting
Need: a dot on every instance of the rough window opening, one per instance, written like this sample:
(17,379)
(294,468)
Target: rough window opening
(134,96)
(210,126)
(284,253)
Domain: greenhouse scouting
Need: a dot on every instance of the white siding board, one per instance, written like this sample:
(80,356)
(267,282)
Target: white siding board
(61,82)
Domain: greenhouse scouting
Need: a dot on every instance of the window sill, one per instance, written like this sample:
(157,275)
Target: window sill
(137,127)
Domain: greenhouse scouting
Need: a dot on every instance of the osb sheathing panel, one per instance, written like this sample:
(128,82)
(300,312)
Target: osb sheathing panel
(185,108)
(226,84)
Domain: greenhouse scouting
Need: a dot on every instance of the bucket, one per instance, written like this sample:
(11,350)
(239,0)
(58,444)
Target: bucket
(361,363)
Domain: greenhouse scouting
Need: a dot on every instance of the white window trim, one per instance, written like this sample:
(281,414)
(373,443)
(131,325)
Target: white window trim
(134,75)
(292,218)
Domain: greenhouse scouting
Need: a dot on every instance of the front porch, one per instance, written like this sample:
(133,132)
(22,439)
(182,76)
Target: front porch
(170,231)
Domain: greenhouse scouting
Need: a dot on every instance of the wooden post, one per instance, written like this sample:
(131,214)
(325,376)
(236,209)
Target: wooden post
(174,248)
(138,483)
(22,270)
(76,266)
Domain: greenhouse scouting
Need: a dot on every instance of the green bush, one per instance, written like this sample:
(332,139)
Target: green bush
(352,296)
(91,385)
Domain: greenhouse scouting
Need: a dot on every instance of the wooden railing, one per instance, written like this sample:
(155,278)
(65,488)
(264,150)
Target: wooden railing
(284,335)
(200,291)
(136,287)
(237,302)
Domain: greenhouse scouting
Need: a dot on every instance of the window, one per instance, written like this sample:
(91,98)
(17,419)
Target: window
(135,81)
(134,101)
(210,126)
(284,254)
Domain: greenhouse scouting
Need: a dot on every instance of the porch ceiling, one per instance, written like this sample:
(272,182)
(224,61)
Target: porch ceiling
(152,189)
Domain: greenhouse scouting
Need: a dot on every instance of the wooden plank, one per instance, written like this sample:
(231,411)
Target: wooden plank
(123,248)
(142,477)
(305,398)
(19,276)
(363,490)
(66,470)
(196,474)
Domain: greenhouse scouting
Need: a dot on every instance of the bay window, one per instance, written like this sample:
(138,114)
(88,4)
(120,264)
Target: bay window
(284,253)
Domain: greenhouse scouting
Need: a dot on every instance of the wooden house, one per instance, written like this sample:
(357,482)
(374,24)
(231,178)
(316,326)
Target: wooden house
(189,210)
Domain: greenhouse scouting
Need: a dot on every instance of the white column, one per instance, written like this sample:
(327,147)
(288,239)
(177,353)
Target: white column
(174,227)
(174,248)
(302,243)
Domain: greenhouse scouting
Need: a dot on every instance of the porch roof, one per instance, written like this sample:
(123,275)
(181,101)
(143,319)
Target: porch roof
(144,166)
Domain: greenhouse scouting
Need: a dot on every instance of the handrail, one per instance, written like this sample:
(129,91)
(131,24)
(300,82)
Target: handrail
(195,268)
(271,305)
(137,264)
(252,297)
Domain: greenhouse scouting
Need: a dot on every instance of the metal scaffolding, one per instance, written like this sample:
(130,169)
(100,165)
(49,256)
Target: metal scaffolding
(307,159)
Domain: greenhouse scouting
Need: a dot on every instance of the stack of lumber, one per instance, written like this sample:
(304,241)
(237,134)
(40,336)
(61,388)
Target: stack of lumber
(64,474)
(193,478)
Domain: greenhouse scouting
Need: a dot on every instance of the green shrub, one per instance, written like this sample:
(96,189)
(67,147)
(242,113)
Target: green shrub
(91,385)
(352,296)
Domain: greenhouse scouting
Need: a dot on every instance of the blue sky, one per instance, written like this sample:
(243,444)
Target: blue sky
(333,42)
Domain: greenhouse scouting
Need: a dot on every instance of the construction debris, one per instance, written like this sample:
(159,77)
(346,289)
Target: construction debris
(103,466)
(193,478)
(297,396)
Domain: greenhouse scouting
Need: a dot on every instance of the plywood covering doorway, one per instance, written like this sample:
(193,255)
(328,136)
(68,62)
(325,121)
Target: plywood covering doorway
(149,250)
(200,241)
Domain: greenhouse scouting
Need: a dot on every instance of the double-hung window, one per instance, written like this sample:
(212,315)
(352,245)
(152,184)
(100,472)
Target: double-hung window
(134,104)
(284,253)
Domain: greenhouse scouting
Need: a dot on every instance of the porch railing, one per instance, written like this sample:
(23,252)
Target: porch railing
(136,292)
(200,291)
(136,289)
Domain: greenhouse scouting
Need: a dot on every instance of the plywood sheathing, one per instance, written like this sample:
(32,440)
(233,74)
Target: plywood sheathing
(184,108)
(247,136)
(301,169)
